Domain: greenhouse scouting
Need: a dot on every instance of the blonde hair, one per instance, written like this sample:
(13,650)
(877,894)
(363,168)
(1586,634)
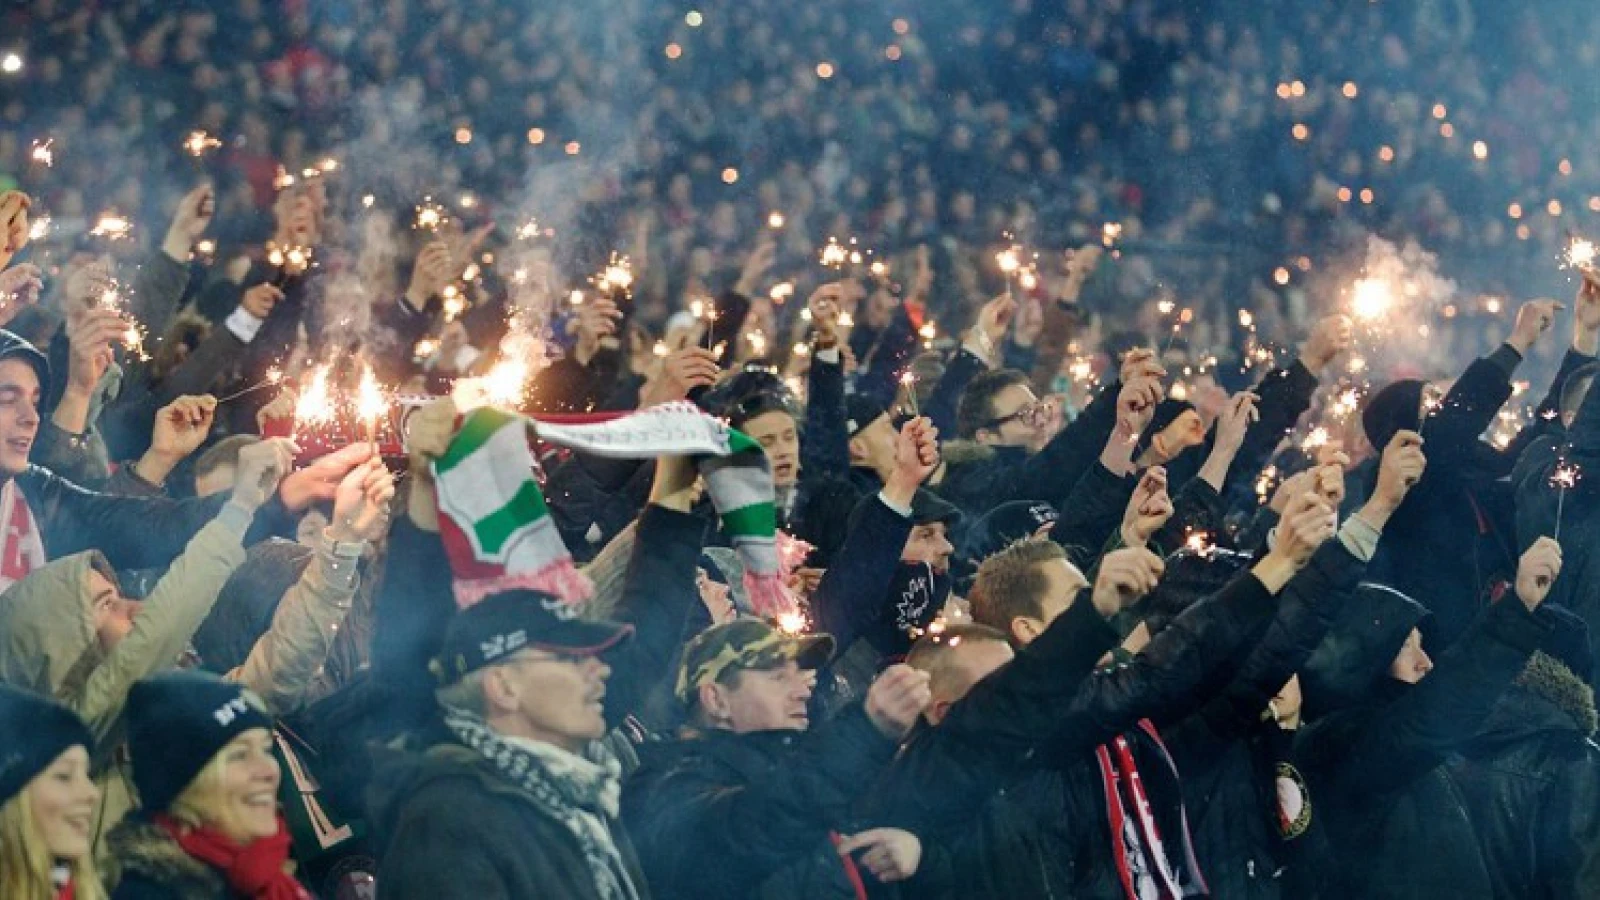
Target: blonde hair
(26,863)
(203,802)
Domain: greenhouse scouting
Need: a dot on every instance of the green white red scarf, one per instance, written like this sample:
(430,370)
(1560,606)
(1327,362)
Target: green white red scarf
(497,529)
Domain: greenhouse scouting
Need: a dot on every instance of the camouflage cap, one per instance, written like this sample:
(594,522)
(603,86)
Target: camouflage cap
(746,644)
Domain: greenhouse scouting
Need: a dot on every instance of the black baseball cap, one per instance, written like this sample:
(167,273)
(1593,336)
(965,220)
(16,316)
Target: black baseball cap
(860,412)
(490,631)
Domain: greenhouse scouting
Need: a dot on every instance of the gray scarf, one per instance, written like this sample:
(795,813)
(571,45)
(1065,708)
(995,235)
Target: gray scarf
(583,793)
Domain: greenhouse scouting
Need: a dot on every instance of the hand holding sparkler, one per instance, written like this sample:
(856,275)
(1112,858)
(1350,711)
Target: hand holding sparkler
(1148,509)
(680,372)
(361,503)
(1534,318)
(189,221)
(1234,422)
(431,271)
(1330,337)
(14,232)
(1136,406)
(987,334)
(90,336)
(596,319)
(1401,467)
(916,456)
(1307,522)
(1537,572)
(259,300)
(825,307)
(1125,576)
(260,469)
(1586,315)
(19,288)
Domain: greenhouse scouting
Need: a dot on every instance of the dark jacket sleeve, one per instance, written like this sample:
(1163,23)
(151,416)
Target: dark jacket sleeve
(657,595)
(411,610)
(1285,396)
(132,532)
(991,731)
(158,290)
(691,816)
(1417,732)
(1310,602)
(1568,842)
(959,371)
(1091,514)
(825,443)
(1467,411)
(1175,671)
(567,387)
(854,592)
(1051,473)
(1545,417)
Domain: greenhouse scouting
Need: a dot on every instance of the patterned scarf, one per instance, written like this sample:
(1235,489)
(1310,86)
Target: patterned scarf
(583,794)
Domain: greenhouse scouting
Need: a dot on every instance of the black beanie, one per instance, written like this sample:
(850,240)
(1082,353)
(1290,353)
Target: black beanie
(177,722)
(35,731)
(1397,407)
(13,346)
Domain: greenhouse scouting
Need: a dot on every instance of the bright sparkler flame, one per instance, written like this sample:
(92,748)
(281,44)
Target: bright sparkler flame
(1565,476)
(1110,233)
(775,220)
(1008,260)
(1371,299)
(430,215)
(314,406)
(792,623)
(42,153)
(112,226)
(617,275)
(1581,253)
(38,228)
(371,404)
(834,255)
(1198,542)
(198,142)
(1317,438)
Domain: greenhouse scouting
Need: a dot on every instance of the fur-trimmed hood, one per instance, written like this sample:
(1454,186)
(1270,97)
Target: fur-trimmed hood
(1546,696)
(141,849)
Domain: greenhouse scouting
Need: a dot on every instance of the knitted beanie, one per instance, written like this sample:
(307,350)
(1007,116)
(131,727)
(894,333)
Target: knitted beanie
(36,730)
(177,722)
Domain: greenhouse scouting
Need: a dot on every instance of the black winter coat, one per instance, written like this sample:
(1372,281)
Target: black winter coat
(723,815)
(1377,768)
(1531,783)
(147,864)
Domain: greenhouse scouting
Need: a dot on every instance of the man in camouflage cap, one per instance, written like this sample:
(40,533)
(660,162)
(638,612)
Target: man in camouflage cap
(745,676)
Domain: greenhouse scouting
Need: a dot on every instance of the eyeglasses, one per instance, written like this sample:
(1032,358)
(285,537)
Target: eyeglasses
(1033,415)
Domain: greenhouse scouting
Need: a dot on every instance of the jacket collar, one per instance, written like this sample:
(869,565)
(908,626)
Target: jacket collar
(142,848)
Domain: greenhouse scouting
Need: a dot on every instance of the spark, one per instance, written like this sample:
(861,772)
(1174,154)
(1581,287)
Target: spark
(775,220)
(1317,438)
(528,230)
(1564,478)
(42,153)
(371,404)
(834,254)
(282,179)
(1581,253)
(112,226)
(1265,482)
(430,215)
(1371,299)
(908,382)
(314,406)
(1199,542)
(781,291)
(39,228)
(792,623)
(198,142)
(616,276)
(425,348)
(1110,234)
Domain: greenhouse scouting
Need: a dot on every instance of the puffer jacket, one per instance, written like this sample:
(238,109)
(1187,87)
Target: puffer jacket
(1530,780)
(1375,754)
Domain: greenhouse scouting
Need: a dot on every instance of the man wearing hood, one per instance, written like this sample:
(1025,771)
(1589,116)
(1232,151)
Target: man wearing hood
(1383,720)
(1530,778)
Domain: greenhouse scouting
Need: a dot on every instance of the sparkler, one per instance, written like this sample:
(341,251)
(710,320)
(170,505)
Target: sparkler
(290,261)
(39,228)
(197,143)
(793,622)
(425,348)
(274,376)
(908,381)
(1015,262)
(1371,299)
(42,153)
(1580,253)
(775,220)
(430,215)
(616,276)
(1317,438)
(112,226)
(1564,478)
(833,254)
(371,404)
(111,299)
(314,406)
(1198,542)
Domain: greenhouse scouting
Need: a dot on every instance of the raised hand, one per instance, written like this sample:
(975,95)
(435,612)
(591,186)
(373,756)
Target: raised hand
(1329,338)
(361,503)
(826,305)
(1534,318)
(1537,572)
(1306,524)
(990,329)
(259,300)
(896,699)
(1402,467)
(19,289)
(1234,422)
(597,319)
(320,479)
(1148,509)
(916,455)
(261,467)
(13,224)
(432,270)
(1125,575)
(756,266)
(189,221)
(683,370)
(182,426)
(90,337)
(1136,405)
(1586,318)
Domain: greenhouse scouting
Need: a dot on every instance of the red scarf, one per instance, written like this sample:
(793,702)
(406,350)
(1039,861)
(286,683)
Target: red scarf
(255,871)
(66,893)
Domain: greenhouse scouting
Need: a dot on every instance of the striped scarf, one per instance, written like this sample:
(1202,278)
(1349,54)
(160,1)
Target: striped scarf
(497,529)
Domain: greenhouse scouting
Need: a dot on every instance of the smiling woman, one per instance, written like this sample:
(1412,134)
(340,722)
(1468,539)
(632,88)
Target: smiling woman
(46,802)
(204,767)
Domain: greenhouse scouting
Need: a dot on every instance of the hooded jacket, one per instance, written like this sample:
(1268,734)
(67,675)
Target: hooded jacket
(1375,755)
(47,632)
(1530,780)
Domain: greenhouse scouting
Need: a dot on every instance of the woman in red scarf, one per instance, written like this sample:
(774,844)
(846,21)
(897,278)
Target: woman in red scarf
(47,802)
(209,827)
